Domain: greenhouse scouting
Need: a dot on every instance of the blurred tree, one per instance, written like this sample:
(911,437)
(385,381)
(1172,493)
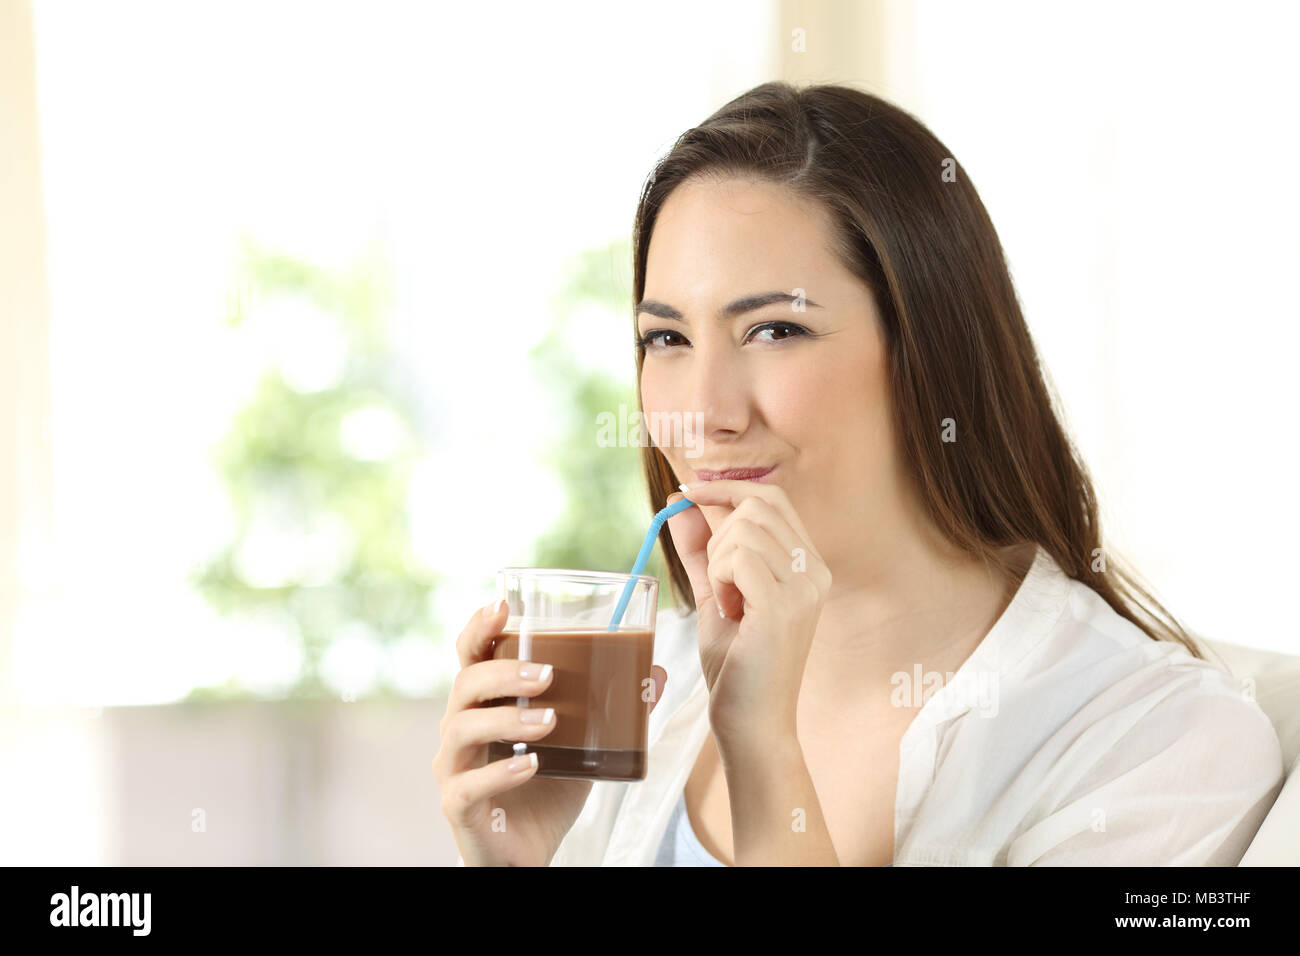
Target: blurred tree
(606,512)
(317,466)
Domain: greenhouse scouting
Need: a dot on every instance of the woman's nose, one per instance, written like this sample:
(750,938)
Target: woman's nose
(719,394)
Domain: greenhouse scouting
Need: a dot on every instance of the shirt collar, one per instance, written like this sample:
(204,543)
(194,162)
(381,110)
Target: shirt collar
(1027,620)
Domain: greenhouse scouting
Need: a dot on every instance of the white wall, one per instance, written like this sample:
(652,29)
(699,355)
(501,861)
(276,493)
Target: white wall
(1135,158)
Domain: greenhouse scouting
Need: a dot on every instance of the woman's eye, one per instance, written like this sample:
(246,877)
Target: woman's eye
(789,328)
(652,337)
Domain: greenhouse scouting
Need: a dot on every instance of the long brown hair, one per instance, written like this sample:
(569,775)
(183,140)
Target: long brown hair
(910,224)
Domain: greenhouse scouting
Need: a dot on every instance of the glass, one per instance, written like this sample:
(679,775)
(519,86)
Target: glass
(602,687)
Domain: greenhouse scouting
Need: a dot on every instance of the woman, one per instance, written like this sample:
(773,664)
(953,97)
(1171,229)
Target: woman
(909,643)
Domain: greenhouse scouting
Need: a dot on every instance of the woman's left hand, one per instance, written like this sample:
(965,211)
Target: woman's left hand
(754,561)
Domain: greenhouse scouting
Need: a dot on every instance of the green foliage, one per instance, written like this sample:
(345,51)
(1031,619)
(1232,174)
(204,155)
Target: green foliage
(284,461)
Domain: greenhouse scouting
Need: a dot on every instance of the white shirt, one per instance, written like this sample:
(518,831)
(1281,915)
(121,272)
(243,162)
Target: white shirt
(1068,737)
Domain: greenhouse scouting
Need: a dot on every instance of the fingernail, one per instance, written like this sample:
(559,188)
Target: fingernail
(532,715)
(531,671)
(522,763)
(686,489)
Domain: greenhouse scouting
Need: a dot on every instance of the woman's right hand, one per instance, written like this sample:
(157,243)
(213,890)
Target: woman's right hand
(538,811)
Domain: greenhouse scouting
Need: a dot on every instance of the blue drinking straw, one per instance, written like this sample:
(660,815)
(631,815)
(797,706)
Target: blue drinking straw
(644,556)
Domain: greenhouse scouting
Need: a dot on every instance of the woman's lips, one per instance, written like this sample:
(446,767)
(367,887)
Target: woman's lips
(735,474)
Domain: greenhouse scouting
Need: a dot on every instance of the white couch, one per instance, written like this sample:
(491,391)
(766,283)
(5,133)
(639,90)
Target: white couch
(1276,679)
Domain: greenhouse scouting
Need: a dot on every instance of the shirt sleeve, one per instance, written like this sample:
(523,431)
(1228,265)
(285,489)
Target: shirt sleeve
(1187,785)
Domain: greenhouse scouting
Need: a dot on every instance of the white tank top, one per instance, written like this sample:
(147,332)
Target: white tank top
(680,846)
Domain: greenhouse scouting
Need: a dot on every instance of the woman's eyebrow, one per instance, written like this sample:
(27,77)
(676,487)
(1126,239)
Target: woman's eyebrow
(746,304)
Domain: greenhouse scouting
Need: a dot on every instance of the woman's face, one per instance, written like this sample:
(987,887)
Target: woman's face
(815,407)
